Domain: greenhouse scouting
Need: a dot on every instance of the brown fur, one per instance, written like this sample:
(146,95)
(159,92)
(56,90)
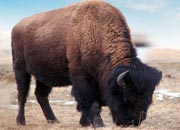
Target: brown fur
(40,42)
(80,45)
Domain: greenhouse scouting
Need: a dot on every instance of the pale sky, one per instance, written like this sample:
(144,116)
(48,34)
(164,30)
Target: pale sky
(159,20)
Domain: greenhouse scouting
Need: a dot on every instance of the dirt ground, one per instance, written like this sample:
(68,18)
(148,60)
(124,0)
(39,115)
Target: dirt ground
(164,113)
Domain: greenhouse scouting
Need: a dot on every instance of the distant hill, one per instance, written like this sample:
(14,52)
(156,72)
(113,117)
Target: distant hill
(140,40)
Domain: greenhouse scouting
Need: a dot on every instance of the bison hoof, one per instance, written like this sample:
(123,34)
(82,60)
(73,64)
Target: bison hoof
(20,121)
(85,122)
(53,121)
(98,122)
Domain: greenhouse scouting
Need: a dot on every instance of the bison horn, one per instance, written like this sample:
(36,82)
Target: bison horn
(121,76)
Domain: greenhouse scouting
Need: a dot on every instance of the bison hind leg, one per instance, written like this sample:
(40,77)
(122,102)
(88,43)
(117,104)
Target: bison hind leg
(23,82)
(42,91)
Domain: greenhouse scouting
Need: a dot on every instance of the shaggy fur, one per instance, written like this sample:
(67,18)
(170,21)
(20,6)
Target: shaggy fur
(129,103)
(87,45)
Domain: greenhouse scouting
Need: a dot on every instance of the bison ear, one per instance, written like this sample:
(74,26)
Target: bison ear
(121,76)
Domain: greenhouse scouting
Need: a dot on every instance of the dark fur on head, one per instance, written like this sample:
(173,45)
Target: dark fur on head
(129,105)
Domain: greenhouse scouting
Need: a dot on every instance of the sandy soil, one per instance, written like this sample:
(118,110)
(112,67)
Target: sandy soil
(164,113)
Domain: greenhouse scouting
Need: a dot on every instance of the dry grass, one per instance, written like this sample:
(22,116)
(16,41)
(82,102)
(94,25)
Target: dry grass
(5,59)
(162,115)
(6,72)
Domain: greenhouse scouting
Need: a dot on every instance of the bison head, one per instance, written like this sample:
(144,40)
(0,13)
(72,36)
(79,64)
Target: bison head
(130,91)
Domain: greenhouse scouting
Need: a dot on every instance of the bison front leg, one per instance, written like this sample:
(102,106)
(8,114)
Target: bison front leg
(85,119)
(83,102)
(96,117)
(42,91)
(92,116)
(86,93)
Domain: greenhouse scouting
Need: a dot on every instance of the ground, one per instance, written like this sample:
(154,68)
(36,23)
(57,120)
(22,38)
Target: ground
(164,113)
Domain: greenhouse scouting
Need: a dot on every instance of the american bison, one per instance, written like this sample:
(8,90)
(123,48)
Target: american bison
(86,45)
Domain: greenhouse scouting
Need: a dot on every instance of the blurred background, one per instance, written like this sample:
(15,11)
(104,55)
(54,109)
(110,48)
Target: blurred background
(153,23)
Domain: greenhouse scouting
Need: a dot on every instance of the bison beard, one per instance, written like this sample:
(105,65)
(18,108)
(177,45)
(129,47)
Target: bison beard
(86,45)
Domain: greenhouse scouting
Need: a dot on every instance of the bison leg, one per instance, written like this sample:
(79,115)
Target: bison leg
(42,91)
(23,82)
(85,118)
(82,94)
(86,92)
(96,117)
(92,116)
